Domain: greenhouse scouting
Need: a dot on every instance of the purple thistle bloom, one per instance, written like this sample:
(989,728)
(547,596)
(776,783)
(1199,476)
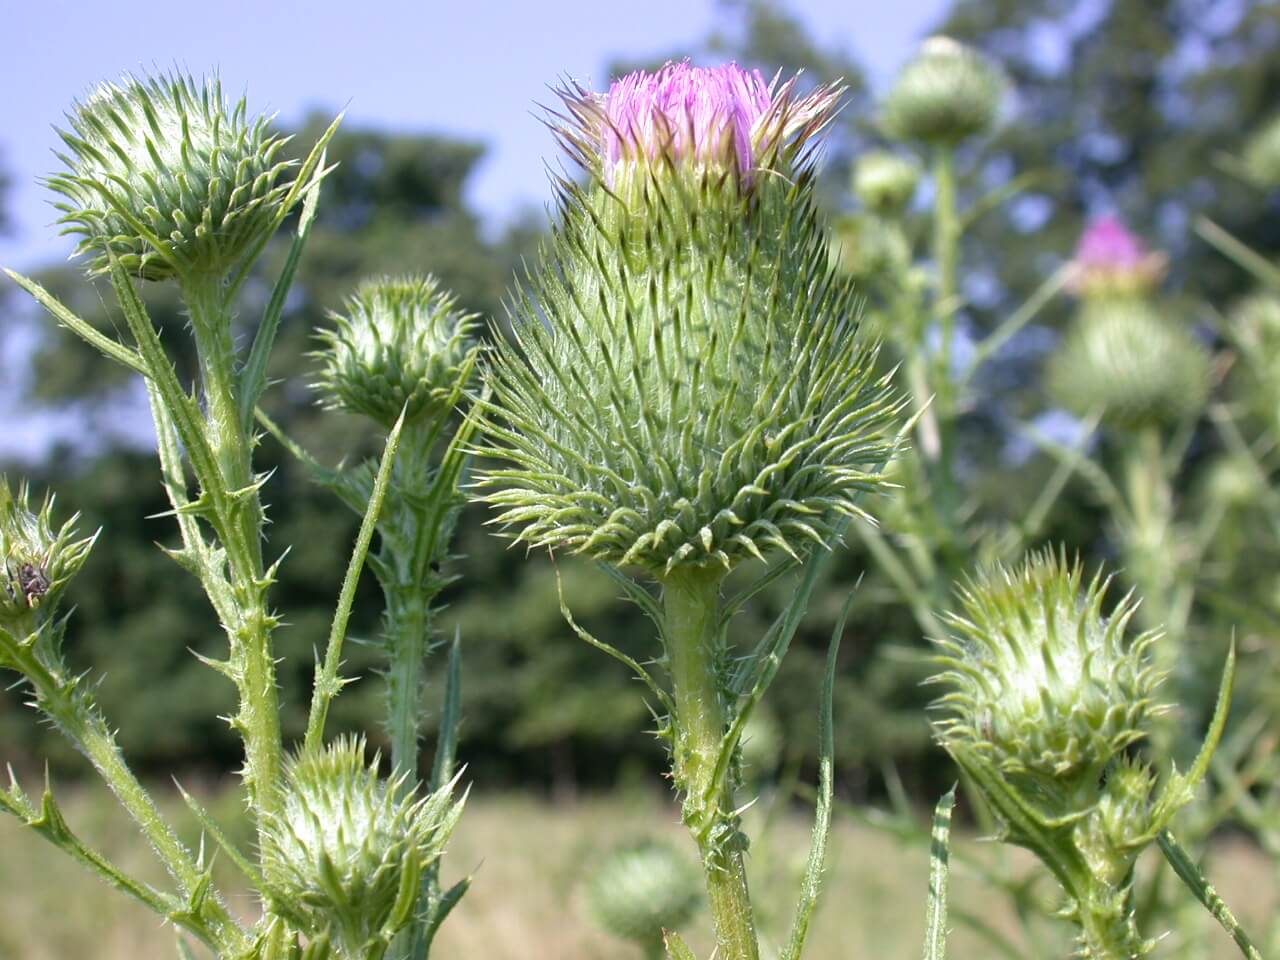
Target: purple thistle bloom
(1110,259)
(722,117)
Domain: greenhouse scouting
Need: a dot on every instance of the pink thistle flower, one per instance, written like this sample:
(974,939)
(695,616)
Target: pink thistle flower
(722,118)
(1111,259)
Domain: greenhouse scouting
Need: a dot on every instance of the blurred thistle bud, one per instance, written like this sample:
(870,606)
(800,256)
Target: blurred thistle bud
(1111,261)
(762,746)
(1262,155)
(885,182)
(686,385)
(688,120)
(169,177)
(1123,359)
(869,249)
(400,342)
(36,562)
(643,889)
(346,849)
(1041,684)
(947,94)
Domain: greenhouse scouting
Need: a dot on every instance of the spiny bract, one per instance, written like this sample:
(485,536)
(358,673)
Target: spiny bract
(36,562)
(1039,681)
(346,849)
(168,176)
(1134,366)
(686,383)
(400,343)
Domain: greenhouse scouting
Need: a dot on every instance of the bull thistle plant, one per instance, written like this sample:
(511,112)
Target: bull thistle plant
(689,399)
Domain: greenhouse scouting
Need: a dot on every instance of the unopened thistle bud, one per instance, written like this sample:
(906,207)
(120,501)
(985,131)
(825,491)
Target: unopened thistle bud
(346,849)
(1262,155)
(947,94)
(885,182)
(686,385)
(400,342)
(1125,360)
(1112,261)
(1040,682)
(36,562)
(640,891)
(167,175)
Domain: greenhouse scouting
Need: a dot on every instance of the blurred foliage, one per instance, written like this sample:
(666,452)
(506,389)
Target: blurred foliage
(1120,105)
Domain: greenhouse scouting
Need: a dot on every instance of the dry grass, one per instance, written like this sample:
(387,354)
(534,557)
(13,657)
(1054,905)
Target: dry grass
(528,858)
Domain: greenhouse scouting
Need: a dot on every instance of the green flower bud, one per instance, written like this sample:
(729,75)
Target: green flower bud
(643,889)
(36,562)
(686,384)
(163,172)
(948,94)
(867,248)
(1040,682)
(400,342)
(1132,364)
(885,182)
(346,849)
(1262,155)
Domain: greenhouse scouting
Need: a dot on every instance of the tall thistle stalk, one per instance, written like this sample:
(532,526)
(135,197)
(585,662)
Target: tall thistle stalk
(167,182)
(687,390)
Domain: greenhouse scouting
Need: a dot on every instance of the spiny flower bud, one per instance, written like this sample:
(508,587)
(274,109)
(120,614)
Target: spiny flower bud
(1262,155)
(1111,261)
(885,182)
(1039,681)
(868,248)
(948,94)
(643,889)
(686,384)
(346,849)
(1122,358)
(167,175)
(36,562)
(400,342)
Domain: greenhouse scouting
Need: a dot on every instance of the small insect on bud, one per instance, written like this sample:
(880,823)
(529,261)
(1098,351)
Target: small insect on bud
(641,890)
(947,94)
(885,182)
(346,849)
(1040,682)
(169,177)
(1136,367)
(400,342)
(36,561)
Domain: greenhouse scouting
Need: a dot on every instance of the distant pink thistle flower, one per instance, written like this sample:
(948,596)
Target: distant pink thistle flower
(1111,259)
(724,117)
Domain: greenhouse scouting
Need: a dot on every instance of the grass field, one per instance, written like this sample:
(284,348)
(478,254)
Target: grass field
(528,856)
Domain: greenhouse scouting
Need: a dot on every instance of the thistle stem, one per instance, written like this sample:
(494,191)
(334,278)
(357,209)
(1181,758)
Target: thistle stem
(691,602)
(946,255)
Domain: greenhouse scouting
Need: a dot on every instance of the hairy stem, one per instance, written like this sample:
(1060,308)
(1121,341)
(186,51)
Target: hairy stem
(691,601)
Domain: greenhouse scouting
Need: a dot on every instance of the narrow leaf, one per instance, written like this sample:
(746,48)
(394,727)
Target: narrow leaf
(1197,883)
(935,934)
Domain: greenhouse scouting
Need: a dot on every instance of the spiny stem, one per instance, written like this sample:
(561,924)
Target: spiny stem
(691,632)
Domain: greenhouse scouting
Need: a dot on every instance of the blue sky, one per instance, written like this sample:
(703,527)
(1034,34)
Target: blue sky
(472,68)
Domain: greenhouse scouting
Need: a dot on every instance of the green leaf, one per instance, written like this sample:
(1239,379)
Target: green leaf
(253,378)
(812,883)
(219,835)
(676,949)
(327,682)
(935,934)
(1197,883)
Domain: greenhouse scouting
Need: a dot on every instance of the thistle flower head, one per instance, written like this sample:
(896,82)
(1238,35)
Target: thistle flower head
(686,384)
(400,342)
(885,182)
(681,117)
(1039,680)
(1262,155)
(346,849)
(947,94)
(163,172)
(36,561)
(643,889)
(1112,261)
(1122,358)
